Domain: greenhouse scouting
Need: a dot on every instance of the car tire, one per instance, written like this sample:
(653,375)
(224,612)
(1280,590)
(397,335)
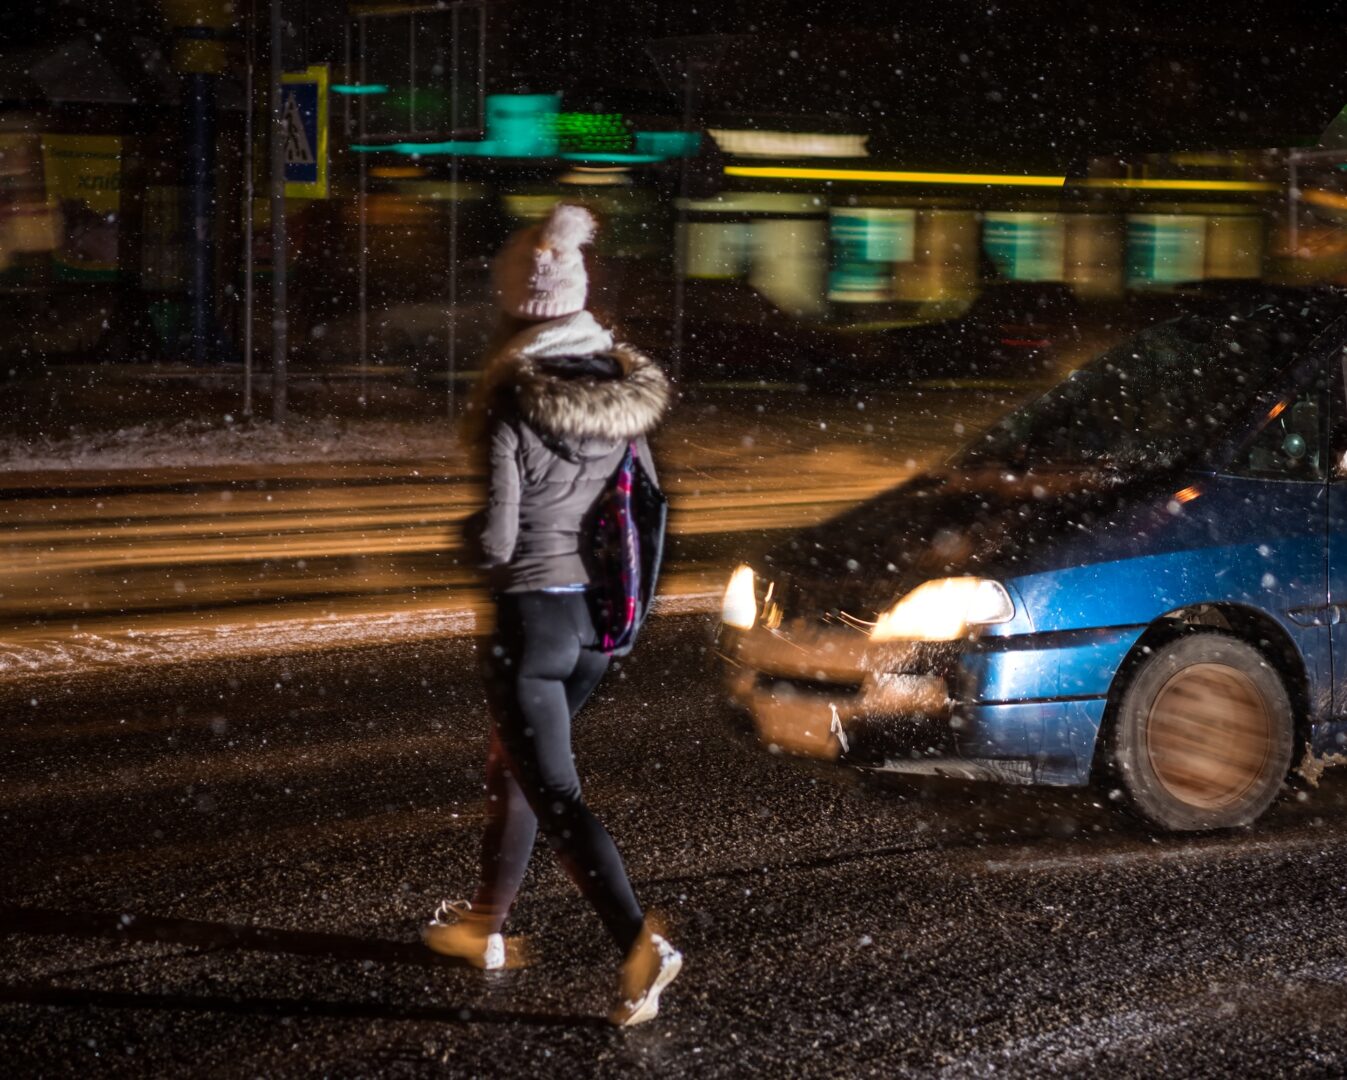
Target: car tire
(1202,735)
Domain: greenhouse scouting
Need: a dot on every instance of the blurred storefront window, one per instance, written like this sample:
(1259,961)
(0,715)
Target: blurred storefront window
(719,251)
(1093,259)
(944,267)
(29,222)
(1235,246)
(1165,249)
(778,242)
(1025,246)
(789,263)
(1175,247)
(867,243)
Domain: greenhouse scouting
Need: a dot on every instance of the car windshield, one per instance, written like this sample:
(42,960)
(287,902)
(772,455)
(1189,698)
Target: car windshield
(1160,398)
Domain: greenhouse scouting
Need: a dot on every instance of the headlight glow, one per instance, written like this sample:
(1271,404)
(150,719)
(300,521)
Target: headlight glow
(740,606)
(944,610)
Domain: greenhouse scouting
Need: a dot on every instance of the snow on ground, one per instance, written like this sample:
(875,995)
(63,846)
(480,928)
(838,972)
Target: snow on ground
(203,443)
(739,429)
(166,640)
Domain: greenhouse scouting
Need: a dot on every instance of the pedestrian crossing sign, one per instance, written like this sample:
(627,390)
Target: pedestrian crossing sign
(304,115)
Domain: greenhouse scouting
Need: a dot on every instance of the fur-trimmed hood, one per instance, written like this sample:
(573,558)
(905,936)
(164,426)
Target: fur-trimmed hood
(584,408)
(580,406)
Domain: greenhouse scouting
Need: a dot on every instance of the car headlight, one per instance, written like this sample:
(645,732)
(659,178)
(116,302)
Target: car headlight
(740,605)
(944,610)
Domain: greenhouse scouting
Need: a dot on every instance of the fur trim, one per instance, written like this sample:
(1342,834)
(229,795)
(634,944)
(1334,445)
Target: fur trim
(583,408)
(576,409)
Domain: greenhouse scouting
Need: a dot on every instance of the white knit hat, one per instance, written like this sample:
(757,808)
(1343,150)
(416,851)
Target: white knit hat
(540,273)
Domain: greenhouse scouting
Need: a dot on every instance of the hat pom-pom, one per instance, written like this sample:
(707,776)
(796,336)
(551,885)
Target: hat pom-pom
(569,226)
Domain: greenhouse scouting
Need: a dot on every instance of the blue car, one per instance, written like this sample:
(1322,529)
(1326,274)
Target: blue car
(1139,579)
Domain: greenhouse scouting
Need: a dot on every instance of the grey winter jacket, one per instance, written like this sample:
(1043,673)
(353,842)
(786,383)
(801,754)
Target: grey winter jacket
(556,433)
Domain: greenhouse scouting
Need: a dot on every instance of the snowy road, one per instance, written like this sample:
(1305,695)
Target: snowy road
(218,869)
(108,565)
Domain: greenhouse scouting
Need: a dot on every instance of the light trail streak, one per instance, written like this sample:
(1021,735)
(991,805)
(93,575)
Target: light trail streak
(160,554)
(916,176)
(159,566)
(893,176)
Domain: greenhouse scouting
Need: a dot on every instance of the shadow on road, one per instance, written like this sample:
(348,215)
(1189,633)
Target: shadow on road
(217,936)
(74,997)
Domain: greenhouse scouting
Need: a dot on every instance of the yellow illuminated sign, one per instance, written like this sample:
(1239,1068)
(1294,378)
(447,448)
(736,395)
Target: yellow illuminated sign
(904,176)
(84,174)
(1178,185)
(908,176)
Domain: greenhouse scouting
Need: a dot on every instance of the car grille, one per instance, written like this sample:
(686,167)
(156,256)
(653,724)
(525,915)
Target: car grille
(824,688)
(795,598)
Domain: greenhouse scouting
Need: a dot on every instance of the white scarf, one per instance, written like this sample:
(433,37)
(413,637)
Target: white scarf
(571,335)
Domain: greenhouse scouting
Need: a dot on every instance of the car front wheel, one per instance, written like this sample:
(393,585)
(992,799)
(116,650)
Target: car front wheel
(1202,737)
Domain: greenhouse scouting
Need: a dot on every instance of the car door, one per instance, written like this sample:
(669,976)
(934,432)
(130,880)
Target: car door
(1289,505)
(1332,735)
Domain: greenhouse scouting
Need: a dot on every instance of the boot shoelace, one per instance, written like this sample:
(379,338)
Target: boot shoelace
(450,912)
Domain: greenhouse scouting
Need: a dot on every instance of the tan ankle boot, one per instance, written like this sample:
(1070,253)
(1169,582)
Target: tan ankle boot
(652,964)
(456,930)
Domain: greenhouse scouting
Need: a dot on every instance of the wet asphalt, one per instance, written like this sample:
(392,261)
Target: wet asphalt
(219,870)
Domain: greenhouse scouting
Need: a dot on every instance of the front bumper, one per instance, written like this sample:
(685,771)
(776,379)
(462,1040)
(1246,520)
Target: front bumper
(824,691)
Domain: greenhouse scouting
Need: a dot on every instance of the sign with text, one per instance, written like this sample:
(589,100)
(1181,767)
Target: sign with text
(83,175)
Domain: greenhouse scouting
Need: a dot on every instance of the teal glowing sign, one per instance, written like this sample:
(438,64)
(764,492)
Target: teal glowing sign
(531,126)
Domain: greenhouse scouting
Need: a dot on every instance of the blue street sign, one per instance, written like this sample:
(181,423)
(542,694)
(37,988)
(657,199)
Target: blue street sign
(304,116)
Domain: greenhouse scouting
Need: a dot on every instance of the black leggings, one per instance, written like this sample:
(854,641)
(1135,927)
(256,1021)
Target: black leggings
(540,667)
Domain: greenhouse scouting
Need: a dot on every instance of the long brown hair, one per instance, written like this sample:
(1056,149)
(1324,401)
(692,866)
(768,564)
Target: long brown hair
(507,326)
(477,416)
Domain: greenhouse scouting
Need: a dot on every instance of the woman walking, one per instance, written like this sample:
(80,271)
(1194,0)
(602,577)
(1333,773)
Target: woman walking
(559,404)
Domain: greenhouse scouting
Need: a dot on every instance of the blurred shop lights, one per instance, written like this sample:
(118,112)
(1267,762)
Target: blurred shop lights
(532,126)
(603,133)
(788,144)
(357,90)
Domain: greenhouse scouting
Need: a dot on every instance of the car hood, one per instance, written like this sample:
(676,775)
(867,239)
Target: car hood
(982,521)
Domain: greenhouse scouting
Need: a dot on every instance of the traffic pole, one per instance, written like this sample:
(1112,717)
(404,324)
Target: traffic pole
(279,322)
(249,168)
(201,52)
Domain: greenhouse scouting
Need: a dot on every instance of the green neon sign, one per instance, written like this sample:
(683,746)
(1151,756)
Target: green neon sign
(531,126)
